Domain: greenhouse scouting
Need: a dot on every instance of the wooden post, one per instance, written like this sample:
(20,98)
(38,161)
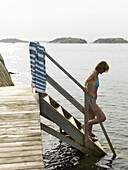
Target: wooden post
(41,95)
(104,131)
(85,119)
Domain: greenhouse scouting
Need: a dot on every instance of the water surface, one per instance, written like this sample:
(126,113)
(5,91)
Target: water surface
(80,60)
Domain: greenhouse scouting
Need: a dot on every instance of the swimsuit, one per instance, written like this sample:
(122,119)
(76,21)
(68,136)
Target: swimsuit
(97,82)
(96,85)
(94,99)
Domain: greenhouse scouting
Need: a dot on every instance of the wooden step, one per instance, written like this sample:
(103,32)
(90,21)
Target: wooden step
(47,110)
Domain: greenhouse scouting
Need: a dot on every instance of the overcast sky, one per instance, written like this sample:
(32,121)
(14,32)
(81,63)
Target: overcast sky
(49,19)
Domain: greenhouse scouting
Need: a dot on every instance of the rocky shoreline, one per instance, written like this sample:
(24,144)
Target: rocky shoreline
(78,40)
(12,40)
(70,40)
(110,40)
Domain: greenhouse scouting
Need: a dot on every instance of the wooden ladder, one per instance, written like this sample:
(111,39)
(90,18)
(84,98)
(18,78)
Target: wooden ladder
(50,109)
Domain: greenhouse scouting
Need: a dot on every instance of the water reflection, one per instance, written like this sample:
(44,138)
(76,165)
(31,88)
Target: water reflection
(68,158)
(113,97)
(61,157)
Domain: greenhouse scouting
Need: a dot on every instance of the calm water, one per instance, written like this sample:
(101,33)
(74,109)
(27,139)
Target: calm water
(80,60)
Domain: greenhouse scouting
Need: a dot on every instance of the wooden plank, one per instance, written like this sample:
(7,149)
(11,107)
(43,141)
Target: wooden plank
(20,134)
(19,116)
(24,165)
(20,148)
(19,154)
(20,127)
(20,139)
(19,123)
(23,159)
(21,144)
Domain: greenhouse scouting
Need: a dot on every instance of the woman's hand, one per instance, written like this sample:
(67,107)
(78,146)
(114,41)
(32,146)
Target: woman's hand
(85,89)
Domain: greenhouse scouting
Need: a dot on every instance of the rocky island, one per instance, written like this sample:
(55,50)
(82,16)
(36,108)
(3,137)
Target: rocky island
(68,40)
(12,40)
(110,40)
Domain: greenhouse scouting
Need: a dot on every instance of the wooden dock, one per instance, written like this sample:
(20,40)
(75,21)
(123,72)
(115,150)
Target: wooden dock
(20,133)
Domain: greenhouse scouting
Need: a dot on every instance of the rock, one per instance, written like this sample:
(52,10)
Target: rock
(12,40)
(68,40)
(110,40)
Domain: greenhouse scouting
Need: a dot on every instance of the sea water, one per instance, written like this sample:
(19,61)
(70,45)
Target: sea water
(80,60)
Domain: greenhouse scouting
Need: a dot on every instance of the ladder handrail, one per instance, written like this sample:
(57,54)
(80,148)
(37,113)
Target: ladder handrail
(69,75)
(64,93)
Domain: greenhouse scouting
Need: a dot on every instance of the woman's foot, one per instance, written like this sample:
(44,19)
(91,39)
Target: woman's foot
(82,126)
(93,138)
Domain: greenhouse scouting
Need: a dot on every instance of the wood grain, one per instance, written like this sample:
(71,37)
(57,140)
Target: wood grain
(20,131)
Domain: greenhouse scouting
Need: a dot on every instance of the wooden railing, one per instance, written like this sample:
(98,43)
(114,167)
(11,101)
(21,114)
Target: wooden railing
(87,97)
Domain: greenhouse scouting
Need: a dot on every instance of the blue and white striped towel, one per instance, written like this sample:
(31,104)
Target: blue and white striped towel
(38,69)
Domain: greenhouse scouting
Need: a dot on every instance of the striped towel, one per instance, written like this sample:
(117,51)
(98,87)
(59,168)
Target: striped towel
(38,69)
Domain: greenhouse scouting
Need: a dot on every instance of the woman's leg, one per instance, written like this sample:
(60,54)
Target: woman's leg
(91,116)
(93,120)
(100,113)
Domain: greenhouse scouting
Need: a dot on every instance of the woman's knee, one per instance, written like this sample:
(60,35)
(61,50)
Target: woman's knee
(101,114)
(103,118)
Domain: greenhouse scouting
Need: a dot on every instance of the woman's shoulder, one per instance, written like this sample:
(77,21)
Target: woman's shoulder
(92,75)
(95,72)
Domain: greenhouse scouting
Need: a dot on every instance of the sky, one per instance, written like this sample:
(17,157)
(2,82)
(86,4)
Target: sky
(44,20)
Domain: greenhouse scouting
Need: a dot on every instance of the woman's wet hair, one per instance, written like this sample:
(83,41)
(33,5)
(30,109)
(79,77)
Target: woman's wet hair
(102,66)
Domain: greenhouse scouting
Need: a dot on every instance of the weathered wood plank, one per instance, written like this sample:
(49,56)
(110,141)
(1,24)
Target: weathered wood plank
(20,131)
(19,123)
(19,116)
(21,144)
(23,153)
(20,134)
(19,159)
(20,148)
(24,165)
(20,139)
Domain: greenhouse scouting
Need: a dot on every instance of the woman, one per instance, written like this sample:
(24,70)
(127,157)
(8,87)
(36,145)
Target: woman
(91,85)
